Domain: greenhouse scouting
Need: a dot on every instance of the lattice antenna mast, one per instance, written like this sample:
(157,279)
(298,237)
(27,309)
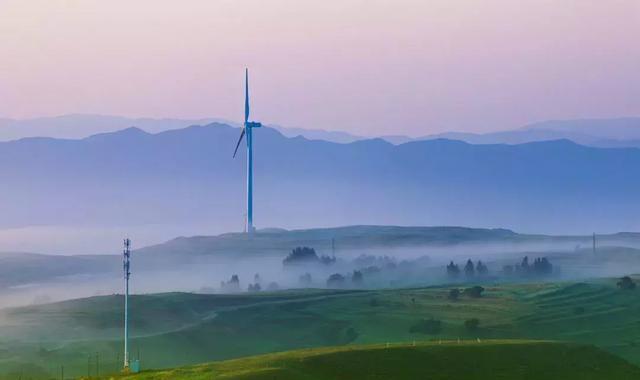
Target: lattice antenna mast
(127,273)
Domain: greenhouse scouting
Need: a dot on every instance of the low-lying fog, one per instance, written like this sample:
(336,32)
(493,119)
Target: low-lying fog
(94,240)
(351,269)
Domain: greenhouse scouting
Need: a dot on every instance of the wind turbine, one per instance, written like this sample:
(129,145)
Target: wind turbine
(247,129)
(126,253)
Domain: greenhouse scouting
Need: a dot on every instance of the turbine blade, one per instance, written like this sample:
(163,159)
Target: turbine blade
(246,95)
(238,144)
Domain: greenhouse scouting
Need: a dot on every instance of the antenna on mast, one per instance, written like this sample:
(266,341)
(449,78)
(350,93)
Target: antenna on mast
(127,273)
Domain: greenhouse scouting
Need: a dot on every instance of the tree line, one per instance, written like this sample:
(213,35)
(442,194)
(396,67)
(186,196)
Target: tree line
(541,266)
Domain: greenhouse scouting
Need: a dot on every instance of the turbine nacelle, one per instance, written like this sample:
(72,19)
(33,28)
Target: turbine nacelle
(248,124)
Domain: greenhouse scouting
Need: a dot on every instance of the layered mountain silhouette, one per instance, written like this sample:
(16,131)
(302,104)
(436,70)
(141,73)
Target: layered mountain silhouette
(188,175)
(606,133)
(609,133)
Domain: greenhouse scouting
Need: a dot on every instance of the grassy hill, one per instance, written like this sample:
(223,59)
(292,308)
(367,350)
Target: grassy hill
(180,253)
(348,237)
(178,329)
(513,360)
(279,241)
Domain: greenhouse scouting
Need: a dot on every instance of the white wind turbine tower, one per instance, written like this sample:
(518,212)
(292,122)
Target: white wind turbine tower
(127,272)
(247,129)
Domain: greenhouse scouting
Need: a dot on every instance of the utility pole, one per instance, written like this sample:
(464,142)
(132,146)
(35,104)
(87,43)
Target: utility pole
(127,273)
(594,243)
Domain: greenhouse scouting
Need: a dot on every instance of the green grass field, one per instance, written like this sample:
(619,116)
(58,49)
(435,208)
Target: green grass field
(513,360)
(174,330)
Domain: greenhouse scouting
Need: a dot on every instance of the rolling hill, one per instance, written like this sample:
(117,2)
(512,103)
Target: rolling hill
(25,268)
(514,360)
(177,329)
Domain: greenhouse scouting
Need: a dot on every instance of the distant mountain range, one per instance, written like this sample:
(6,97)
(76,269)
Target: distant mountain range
(602,133)
(609,133)
(78,126)
(188,175)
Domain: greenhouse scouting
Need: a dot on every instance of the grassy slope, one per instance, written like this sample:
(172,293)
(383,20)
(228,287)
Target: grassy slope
(183,329)
(469,361)
(596,313)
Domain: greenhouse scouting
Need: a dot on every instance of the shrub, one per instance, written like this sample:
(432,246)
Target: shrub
(542,266)
(454,294)
(474,291)
(427,326)
(232,285)
(327,260)
(336,280)
(357,278)
(472,324)
(626,283)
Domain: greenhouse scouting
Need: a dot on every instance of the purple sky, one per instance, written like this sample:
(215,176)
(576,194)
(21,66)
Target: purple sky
(367,67)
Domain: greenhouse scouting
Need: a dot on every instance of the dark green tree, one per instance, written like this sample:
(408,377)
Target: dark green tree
(472,324)
(454,294)
(453,270)
(336,280)
(626,283)
(301,255)
(357,279)
(474,291)
(469,270)
(482,269)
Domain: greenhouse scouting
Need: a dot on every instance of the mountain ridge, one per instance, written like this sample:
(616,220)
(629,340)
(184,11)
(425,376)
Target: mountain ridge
(189,175)
(604,132)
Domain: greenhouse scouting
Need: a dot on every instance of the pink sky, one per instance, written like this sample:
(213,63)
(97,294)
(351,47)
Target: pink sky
(363,66)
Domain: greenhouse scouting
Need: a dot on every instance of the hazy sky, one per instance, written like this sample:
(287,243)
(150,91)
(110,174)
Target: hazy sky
(368,67)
